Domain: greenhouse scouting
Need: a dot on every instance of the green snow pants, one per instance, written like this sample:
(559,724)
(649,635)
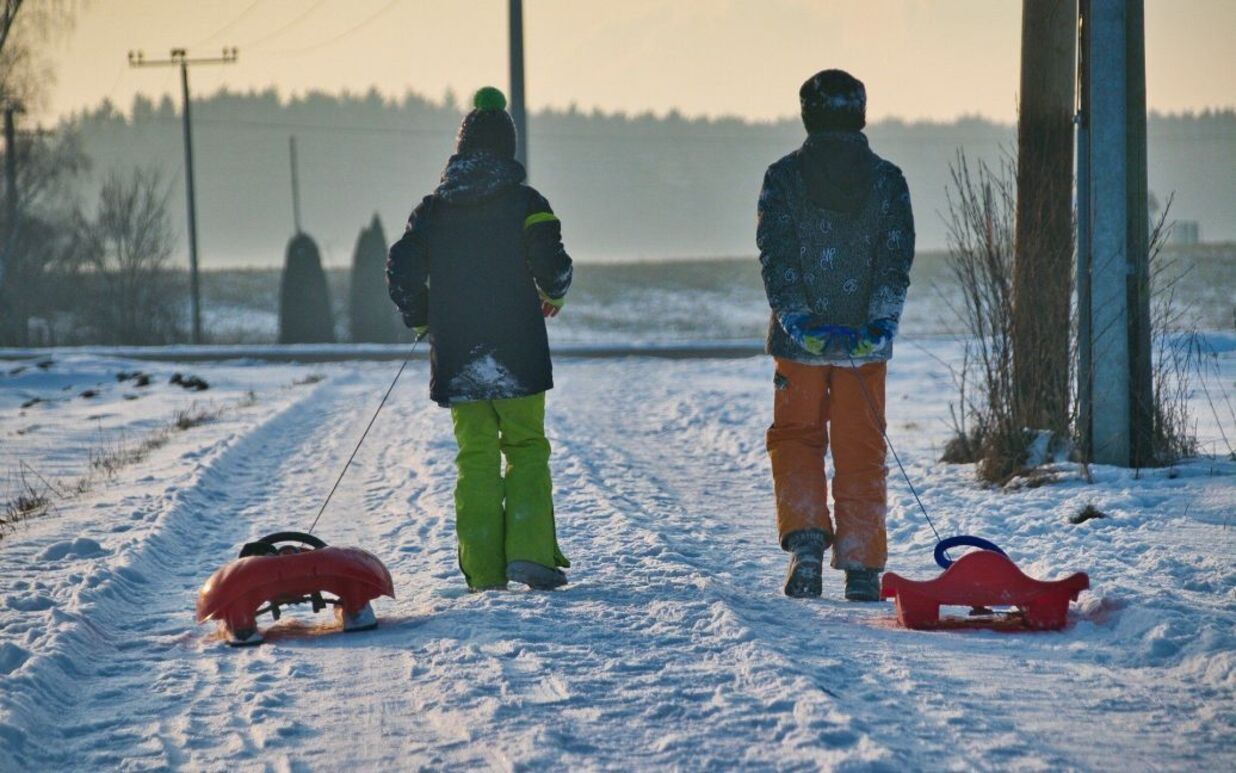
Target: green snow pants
(503,517)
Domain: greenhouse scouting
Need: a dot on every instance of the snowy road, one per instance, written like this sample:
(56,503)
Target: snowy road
(672,646)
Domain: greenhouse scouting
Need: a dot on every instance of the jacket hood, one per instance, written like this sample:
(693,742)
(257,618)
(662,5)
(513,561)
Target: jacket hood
(838,168)
(471,177)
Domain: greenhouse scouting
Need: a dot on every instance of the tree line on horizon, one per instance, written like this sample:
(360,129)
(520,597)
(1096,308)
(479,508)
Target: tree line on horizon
(626,187)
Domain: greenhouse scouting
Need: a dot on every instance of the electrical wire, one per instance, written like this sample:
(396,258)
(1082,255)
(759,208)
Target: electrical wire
(227,26)
(280,30)
(331,41)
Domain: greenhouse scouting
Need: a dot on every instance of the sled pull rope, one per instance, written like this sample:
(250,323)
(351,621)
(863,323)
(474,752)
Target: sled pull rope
(364,435)
(875,415)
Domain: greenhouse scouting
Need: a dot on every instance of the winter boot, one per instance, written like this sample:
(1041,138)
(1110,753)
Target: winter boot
(535,576)
(862,584)
(806,549)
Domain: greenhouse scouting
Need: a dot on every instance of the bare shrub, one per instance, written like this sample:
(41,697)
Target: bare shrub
(127,246)
(193,416)
(30,496)
(981,213)
(987,429)
(36,250)
(1177,353)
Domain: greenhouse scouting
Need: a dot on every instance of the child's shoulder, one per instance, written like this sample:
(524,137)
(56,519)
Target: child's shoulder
(787,163)
(536,201)
(421,212)
(888,172)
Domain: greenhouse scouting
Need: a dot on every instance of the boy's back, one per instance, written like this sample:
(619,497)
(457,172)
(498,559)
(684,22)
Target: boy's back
(487,247)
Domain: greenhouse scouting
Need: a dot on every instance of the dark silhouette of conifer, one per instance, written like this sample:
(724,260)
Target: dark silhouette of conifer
(304,303)
(373,318)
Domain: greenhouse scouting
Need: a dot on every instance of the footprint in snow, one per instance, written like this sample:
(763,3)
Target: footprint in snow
(11,658)
(78,548)
(35,603)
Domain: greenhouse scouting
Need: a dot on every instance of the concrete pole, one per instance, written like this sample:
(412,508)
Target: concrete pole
(1118,305)
(1140,359)
(518,112)
(1084,351)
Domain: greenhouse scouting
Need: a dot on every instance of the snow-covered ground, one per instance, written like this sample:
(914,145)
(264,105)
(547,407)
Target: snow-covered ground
(672,647)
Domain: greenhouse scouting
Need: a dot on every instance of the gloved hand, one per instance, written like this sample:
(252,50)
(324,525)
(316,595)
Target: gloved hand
(816,339)
(550,306)
(835,337)
(419,332)
(875,337)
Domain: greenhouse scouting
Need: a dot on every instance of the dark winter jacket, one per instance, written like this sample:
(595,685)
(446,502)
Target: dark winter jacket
(836,240)
(469,265)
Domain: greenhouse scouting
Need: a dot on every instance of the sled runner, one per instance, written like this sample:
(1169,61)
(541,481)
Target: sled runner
(981,580)
(293,568)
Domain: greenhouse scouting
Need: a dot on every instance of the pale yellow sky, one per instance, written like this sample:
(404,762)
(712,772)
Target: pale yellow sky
(932,59)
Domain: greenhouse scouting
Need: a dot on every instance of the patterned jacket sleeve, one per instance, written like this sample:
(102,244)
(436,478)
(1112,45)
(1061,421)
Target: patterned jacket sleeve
(407,269)
(894,252)
(547,258)
(777,239)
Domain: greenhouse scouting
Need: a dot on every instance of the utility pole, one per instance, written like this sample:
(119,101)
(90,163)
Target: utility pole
(1113,277)
(1043,255)
(295,184)
(179,58)
(518,112)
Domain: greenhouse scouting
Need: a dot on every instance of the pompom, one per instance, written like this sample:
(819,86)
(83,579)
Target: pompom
(489,98)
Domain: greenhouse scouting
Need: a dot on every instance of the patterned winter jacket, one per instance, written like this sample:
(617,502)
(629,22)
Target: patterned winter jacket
(469,265)
(836,240)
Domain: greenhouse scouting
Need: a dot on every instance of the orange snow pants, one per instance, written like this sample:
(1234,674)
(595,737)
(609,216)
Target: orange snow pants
(809,402)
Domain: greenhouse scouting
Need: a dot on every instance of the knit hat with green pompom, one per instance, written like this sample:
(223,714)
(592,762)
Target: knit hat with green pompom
(488,127)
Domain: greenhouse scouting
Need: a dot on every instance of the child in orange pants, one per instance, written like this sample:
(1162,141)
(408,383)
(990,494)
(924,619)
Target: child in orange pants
(809,401)
(836,240)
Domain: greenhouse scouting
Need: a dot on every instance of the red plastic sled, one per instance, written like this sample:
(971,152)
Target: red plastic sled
(983,579)
(275,573)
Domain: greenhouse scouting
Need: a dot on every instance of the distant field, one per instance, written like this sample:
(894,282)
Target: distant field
(707,299)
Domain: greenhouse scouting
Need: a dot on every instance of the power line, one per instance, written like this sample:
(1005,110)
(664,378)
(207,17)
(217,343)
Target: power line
(227,26)
(280,30)
(337,38)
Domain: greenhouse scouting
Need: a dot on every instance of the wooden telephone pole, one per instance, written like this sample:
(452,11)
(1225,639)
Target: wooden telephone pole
(1043,259)
(179,58)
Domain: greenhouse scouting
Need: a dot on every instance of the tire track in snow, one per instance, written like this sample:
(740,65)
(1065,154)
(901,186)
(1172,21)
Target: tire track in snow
(672,646)
(134,683)
(980,699)
(833,644)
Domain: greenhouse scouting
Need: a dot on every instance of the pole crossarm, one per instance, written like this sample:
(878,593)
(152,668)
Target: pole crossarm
(180,56)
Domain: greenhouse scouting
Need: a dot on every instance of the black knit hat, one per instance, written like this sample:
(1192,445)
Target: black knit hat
(488,127)
(833,99)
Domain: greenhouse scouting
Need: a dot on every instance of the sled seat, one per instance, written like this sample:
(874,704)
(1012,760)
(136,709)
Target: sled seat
(983,579)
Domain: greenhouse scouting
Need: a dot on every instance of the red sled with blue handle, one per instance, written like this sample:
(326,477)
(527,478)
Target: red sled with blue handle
(981,580)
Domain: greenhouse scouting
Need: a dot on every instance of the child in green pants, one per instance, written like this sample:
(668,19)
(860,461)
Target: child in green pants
(505,522)
(478,269)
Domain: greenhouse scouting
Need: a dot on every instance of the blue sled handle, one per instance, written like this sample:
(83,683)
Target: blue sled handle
(962,540)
